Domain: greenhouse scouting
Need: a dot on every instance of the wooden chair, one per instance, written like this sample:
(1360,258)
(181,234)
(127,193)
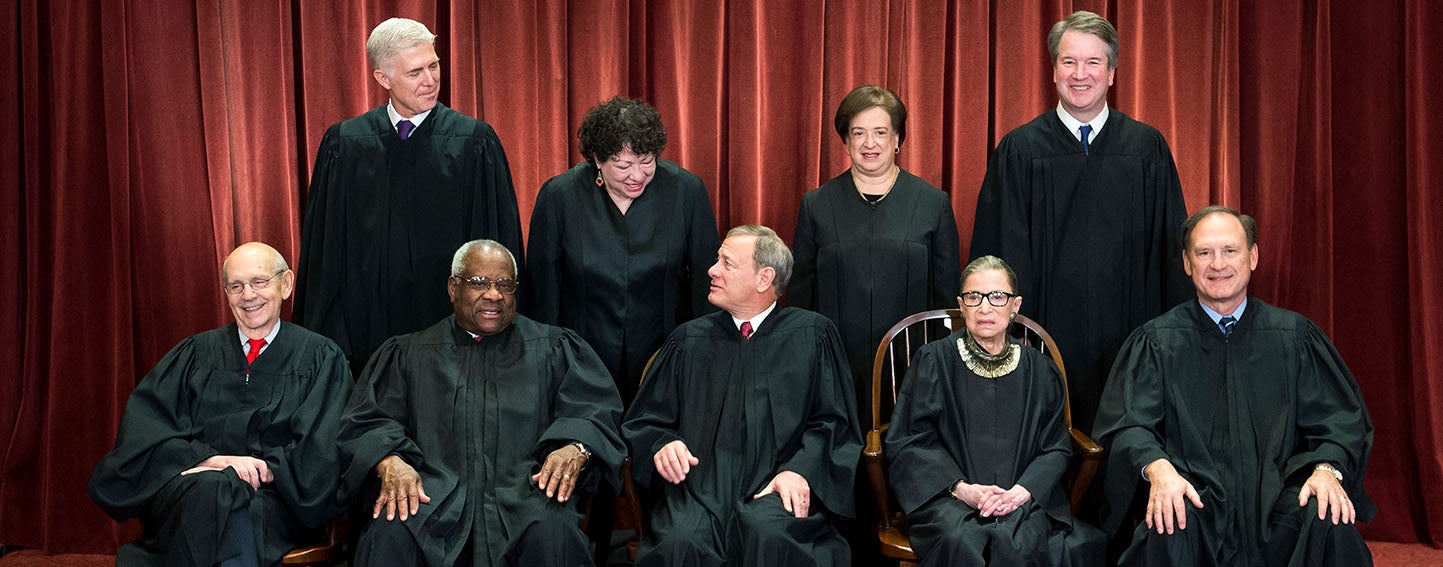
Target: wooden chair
(628,487)
(890,366)
(327,552)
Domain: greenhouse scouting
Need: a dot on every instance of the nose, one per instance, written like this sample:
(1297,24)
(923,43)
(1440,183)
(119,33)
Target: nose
(1217,262)
(1079,72)
(248,291)
(714,270)
(493,294)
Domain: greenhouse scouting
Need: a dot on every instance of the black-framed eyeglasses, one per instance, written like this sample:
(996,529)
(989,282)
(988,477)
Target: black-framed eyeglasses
(256,284)
(996,298)
(479,284)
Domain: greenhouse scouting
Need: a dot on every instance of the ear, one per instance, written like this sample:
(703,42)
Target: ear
(381,78)
(1186,263)
(764,279)
(451,284)
(959,303)
(288,284)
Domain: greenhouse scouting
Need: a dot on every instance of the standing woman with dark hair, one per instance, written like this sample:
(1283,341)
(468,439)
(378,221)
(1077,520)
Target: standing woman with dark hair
(875,244)
(620,244)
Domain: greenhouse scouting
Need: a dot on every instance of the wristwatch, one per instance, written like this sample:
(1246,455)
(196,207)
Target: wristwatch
(1330,469)
(587,452)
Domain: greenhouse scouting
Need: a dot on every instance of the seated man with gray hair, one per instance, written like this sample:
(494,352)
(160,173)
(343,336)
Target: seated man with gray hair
(480,428)
(744,432)
(227,451)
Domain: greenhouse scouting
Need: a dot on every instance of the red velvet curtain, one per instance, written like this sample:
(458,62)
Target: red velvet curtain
(146,139)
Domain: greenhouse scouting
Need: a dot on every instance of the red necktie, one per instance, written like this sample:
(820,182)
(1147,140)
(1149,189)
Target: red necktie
(747,330)
(255,351)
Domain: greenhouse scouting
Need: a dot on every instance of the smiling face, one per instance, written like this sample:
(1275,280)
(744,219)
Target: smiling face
(627,174)
(872,142)
(486,312)
(988,323)
(1220,262)
(1082,74)
(256,310)
(413,76)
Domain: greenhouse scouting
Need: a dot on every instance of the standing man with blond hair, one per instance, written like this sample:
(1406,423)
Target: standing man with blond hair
(393,191)
(1084,202)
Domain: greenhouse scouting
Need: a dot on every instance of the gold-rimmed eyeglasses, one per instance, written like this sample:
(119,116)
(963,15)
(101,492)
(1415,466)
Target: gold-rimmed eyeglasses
(256,284)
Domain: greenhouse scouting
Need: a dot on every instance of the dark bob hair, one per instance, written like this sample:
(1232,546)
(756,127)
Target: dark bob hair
(618,123)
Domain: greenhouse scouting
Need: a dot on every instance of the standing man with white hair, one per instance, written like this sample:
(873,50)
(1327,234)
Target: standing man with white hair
(393,190)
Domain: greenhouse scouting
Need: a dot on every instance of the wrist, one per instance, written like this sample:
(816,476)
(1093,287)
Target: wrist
(1329,469)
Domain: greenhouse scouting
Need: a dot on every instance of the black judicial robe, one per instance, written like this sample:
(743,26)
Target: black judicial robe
(1092,237)
(1243,418)
(866,265)
(384,216)
(476,419)
(951,424)
(199,402)
(622,282)
(747,409)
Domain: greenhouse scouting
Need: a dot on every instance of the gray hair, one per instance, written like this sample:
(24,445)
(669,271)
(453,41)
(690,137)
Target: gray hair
(278,262)
(987,263)
(458,260)
(1085,22)
(1250,225)
(770,252)
(394,35)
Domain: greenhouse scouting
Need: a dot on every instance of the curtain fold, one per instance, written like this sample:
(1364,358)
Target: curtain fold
(147,139)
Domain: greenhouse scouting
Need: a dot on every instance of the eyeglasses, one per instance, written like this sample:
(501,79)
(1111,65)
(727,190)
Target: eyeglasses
(996,298)
(256,284)
(482,285)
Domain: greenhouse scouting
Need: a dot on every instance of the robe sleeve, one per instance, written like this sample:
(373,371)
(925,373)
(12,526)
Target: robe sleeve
(946,259)
(1002,226)
(543,269)
(701,249)
(373,425)
(653,419)
(1054,444)
(831,444)
(306,468)
(321,268)
(496,196)
(920,467)
(157,438)
(1128,422)
(1166,277)
(802,290)
(1333,423)
(587,406)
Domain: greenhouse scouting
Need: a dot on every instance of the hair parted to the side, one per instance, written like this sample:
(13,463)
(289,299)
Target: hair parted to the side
(392,36)
(1085,22)
(1250,225)
(770,252)
(871,96)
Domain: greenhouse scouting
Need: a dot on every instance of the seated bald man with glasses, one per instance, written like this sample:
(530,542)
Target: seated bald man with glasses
(479,431)
(227,450)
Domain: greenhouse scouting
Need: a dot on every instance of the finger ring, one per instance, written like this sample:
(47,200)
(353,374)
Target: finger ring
(566,476)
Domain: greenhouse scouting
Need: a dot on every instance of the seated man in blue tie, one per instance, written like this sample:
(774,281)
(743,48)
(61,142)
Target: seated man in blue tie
(744,432)
(1240,418)
(227,451)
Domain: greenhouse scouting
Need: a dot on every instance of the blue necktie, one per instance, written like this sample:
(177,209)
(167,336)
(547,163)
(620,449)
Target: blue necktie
(1227,324)
(404,128)
(1086,129)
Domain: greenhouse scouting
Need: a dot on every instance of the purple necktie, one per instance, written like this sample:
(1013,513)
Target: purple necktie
(404,128)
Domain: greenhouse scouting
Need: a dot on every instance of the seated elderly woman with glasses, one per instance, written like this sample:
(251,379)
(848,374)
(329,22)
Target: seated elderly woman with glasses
(978,445)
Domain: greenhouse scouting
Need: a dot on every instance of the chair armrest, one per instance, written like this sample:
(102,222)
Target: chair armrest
(1089,455)
(876,465)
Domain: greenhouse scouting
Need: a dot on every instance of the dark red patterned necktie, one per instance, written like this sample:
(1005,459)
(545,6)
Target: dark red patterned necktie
(747,330)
